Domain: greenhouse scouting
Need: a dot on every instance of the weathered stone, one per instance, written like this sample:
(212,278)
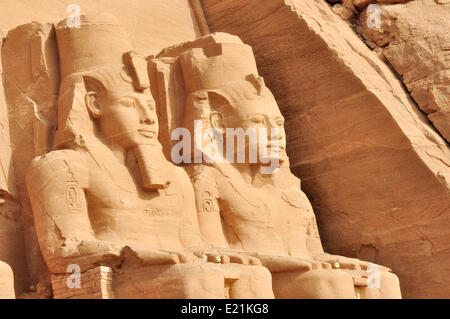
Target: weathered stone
(31,77)
(12,249)
(152,24)
(344,12)
(417,44)
(363,3)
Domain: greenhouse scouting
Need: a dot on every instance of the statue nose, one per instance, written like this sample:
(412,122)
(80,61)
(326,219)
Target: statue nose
(147,117)
(278,135)
(147,120)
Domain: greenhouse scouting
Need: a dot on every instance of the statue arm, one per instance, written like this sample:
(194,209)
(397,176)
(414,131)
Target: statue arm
(191,236)
(190,229)
(56,183)
(313,242)
(208,210)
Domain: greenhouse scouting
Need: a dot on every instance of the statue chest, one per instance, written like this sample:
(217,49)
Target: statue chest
(120,208)
(268,205)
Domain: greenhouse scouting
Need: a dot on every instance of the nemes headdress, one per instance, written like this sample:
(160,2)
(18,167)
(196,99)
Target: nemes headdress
(218,68)
(98,48)
(218,62)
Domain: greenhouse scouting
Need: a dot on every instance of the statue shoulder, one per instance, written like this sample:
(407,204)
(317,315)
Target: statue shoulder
(61,165)
(181,175)
(204,180)
(201,173)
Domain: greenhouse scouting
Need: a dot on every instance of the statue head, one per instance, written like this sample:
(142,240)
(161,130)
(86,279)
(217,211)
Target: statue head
(105,98)
(226,94)
(125,116)
(105,90)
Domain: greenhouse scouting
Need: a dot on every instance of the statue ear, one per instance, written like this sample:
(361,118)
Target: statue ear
(216,119)
(218,105)
(93,105)
(92,100)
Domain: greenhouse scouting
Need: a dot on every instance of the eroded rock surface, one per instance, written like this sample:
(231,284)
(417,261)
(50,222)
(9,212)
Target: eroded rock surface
(31,77)
(12,249)
(152,24)
(415,41)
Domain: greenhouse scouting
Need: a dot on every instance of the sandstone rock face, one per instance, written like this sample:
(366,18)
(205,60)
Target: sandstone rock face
(5,148)
(30,82)
(376,172)
(152,24)
(12,250)
(415,41)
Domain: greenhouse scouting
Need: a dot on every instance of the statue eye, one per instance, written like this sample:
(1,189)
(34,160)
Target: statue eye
(257,119)
(128,102)
(280,122)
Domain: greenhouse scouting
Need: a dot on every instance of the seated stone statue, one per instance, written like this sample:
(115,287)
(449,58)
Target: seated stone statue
(107,196)
(247,205)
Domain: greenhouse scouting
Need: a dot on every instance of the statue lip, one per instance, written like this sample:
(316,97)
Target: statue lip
(147,132)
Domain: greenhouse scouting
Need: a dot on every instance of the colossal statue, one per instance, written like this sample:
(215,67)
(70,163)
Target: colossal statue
(107,197)
(107,201)
(241,206)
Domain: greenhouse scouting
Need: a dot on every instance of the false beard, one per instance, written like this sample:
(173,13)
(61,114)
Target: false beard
(153,167)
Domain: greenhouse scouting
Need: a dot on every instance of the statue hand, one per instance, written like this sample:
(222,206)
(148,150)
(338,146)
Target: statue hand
(149,256)
(288,263)
(184,256)
(86,254)
(341,262)
(225,256)
(86,248)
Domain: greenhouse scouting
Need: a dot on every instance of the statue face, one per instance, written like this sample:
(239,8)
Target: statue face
(128,117)
(260,112)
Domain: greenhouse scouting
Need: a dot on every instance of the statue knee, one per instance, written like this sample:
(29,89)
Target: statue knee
(179,281)
(6,282)
(314,284)
(230,281)
(206,281)
(389,288)
(5,268)
(254,282)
